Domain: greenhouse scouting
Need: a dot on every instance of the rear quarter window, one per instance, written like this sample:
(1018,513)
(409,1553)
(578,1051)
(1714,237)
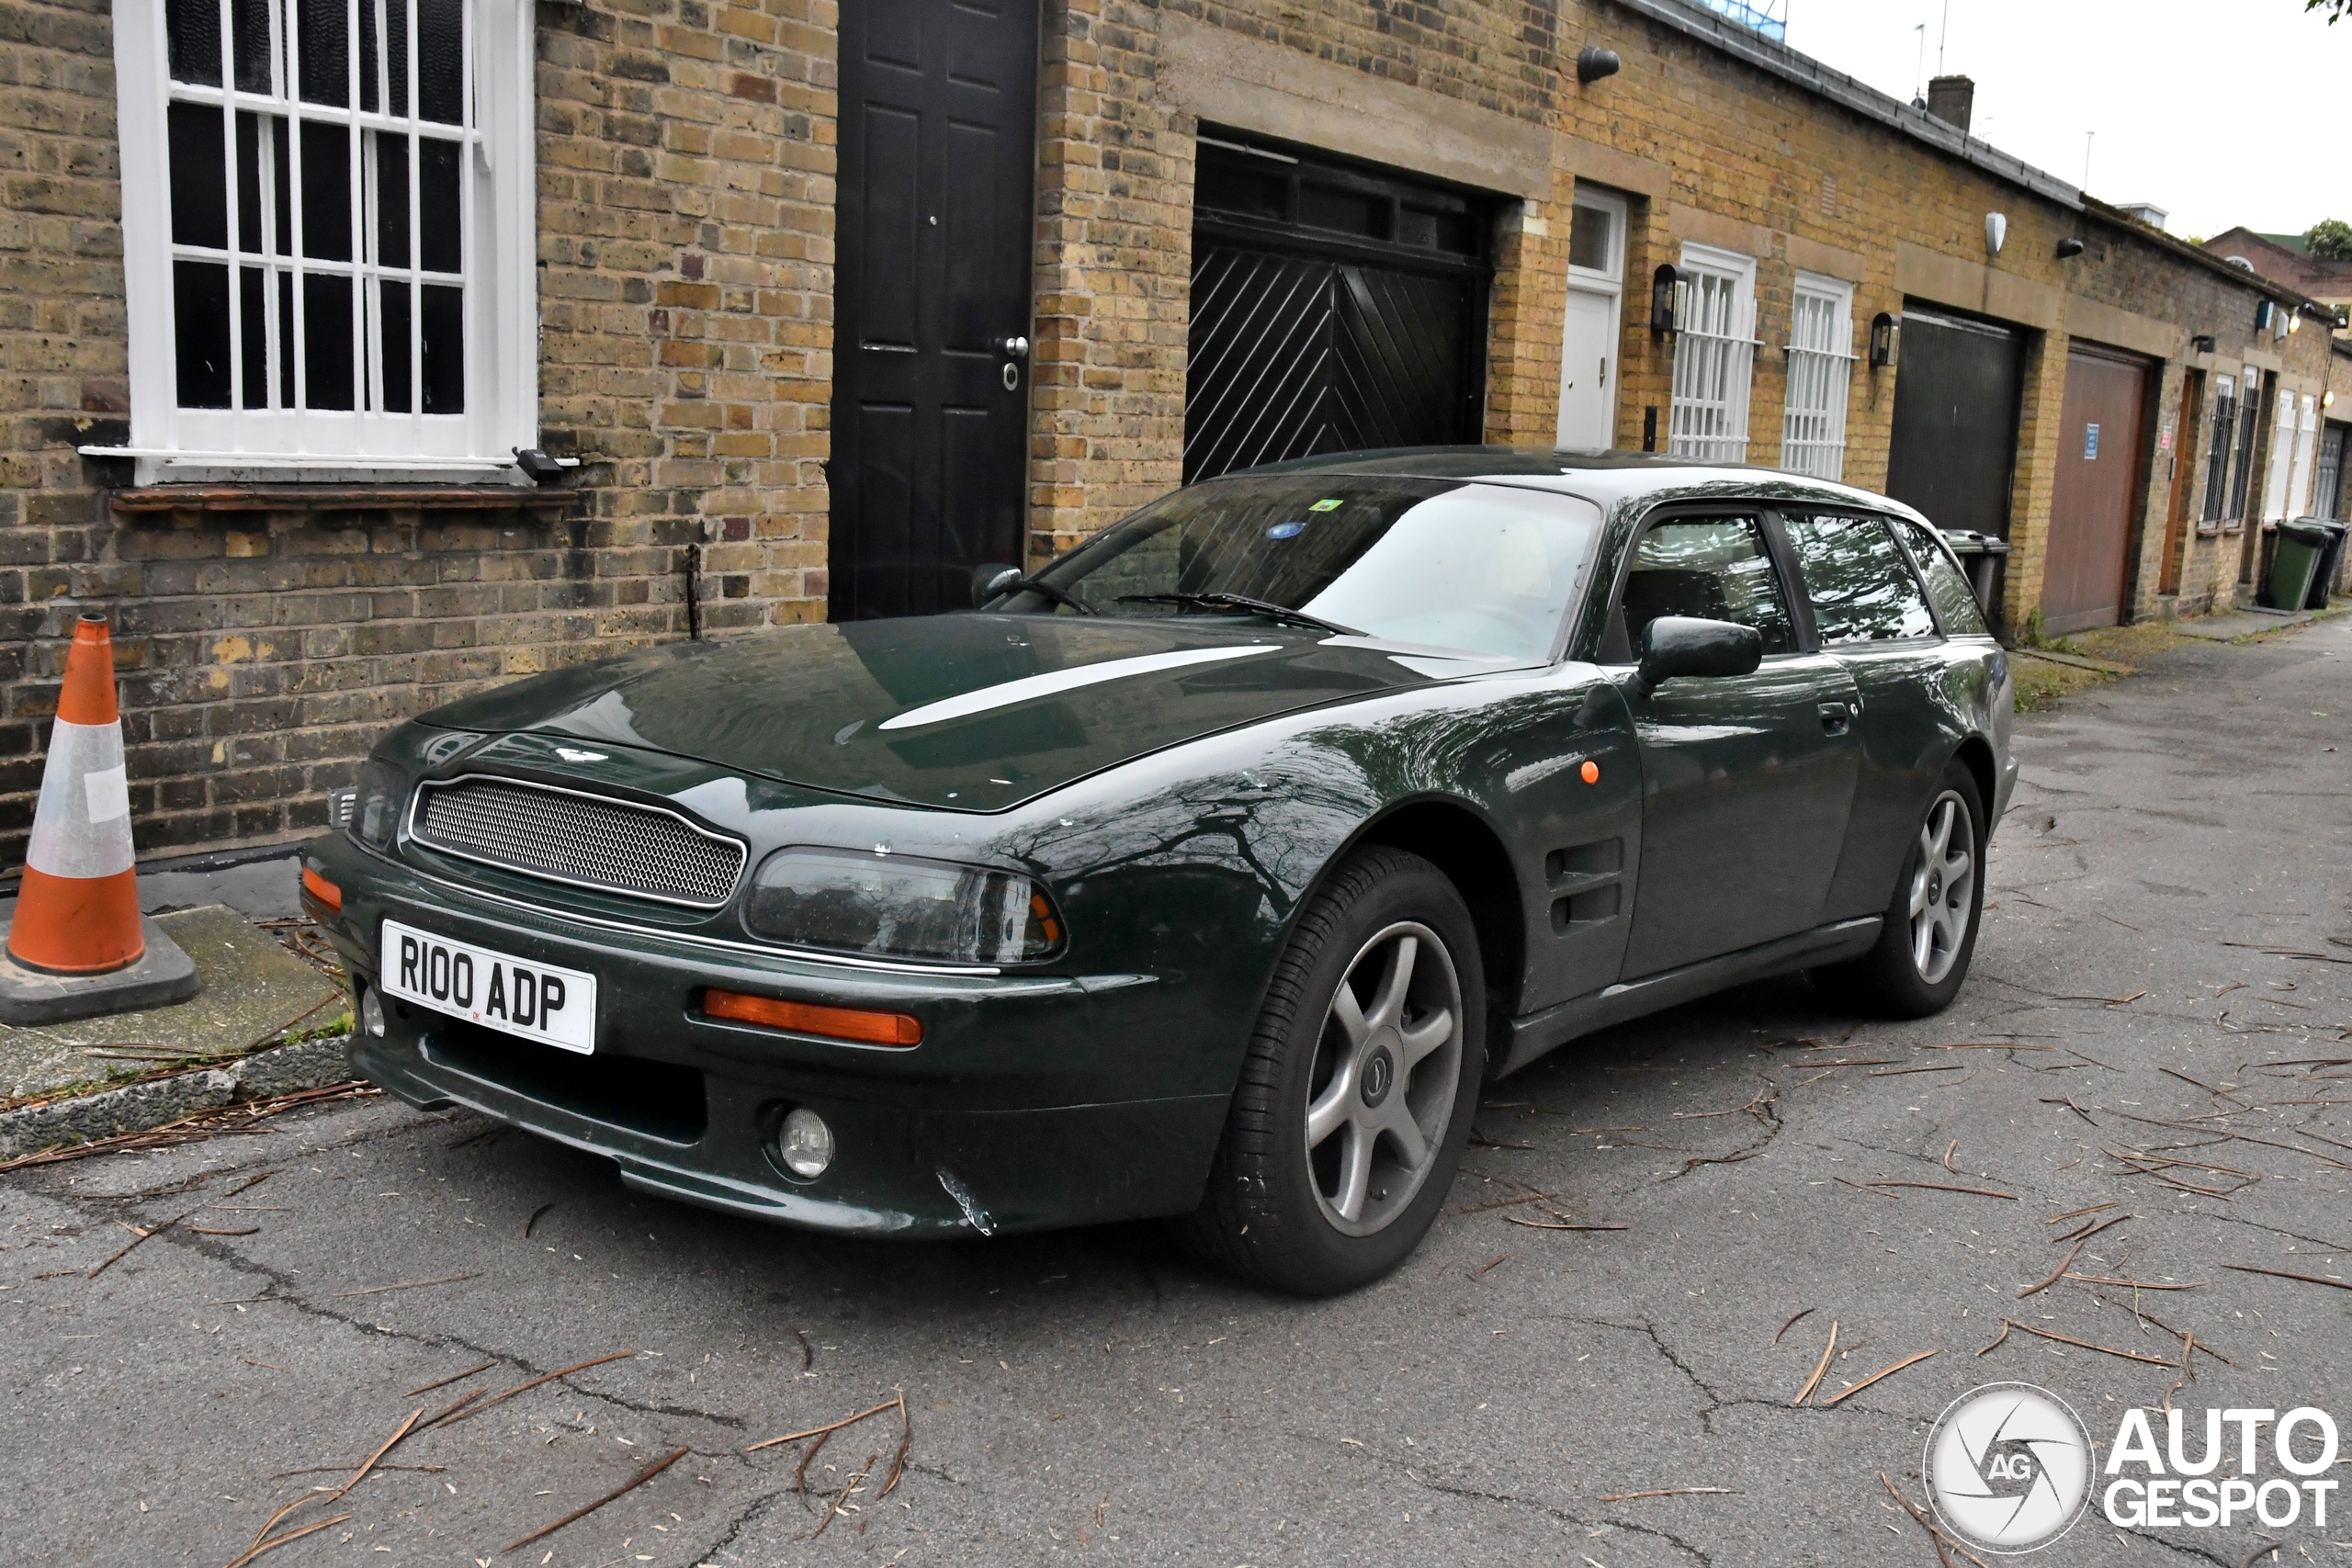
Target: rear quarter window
(1947,588)
(1861,587)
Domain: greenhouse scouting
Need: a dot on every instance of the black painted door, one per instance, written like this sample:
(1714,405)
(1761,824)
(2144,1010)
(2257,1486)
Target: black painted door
(1335,306)
(1955,439)
(931,301)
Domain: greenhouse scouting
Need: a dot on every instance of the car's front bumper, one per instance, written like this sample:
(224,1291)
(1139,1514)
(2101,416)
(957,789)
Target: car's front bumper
(1000,1119)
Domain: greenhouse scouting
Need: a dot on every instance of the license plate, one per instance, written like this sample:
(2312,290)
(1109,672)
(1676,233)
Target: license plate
(536,1001)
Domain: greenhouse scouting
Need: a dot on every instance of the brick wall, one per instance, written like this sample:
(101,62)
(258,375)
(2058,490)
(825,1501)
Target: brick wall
(685,246)
(686,219)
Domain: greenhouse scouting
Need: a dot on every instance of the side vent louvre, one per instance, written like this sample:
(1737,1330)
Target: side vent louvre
(1585,879)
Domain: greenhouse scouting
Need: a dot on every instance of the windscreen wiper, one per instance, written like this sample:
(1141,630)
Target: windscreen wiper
(1032,585)
(1266,607)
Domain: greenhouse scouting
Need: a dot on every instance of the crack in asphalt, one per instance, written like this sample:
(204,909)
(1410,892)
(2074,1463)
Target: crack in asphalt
(1450,1489)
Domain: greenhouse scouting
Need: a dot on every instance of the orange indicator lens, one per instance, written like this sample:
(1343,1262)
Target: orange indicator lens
(318,888)
(1589,773)
(808,1017)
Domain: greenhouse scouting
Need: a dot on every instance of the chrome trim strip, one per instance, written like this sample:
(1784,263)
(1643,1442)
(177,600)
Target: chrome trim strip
(416,799)
(758,949)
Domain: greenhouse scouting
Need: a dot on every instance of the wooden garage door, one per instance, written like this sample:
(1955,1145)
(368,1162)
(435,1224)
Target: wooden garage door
(2095,501)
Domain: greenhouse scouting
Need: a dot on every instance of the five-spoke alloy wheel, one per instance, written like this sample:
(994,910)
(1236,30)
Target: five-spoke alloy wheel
(1355,1096)
(1943,886)
(1929,932)
(1385,1076)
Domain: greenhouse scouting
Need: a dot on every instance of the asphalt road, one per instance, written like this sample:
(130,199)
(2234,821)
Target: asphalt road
(1091,1397)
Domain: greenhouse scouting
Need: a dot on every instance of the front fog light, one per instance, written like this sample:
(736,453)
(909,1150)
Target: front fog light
(371,1012)
(805,1144)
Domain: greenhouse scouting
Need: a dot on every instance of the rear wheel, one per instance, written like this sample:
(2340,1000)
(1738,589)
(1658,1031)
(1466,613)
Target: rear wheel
(1356,1097)
(1924,949)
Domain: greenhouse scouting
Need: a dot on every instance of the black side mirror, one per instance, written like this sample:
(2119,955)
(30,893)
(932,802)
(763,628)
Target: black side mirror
(993,578)
(1684,645)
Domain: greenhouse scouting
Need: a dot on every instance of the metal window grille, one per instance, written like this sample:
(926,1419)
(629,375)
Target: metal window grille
(2249,431)
(2299,485)
(1821,371)
(2329,481)
(2217,450)
(1713,357)
(318,150)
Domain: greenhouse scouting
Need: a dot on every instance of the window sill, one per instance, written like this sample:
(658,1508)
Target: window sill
(346,507)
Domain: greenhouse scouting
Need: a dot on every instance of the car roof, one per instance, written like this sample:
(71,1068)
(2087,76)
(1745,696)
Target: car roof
(1605,478)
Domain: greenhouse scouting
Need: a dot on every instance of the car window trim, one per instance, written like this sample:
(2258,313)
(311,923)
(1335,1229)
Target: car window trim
(1943,628)
(1775,550)
(1918,578)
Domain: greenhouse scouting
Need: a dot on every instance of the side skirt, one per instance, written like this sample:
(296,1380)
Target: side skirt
(1531,1035)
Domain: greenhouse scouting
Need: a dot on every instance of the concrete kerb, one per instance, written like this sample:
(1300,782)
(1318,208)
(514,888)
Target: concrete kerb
(134,1108)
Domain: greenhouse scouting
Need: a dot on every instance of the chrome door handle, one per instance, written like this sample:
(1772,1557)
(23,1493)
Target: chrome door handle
(1013,347)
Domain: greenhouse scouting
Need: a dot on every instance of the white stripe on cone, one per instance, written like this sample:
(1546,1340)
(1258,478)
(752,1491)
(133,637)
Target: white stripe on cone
(82,827)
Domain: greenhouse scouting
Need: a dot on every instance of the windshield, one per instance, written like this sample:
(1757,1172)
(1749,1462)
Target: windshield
(1479,569)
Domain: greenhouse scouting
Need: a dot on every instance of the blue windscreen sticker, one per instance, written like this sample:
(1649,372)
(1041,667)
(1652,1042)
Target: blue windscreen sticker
(1286,530)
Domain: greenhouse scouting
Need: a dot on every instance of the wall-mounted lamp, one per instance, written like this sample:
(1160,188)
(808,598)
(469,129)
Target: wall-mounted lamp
(2294,322)
(2069,248)
(2327,399)
(1996,228)
(2202,344)
(1882,340)
(2264,314)
(1592,64)
(1663,283)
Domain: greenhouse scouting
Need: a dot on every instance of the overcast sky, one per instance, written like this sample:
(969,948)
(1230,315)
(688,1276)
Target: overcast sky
(2149,76)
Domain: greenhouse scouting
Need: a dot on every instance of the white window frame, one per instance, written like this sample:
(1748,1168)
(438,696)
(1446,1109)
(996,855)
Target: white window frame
(1609,280)
(2299,483)
(1714,354)
(1821,376)
(498,198)
(2283,457)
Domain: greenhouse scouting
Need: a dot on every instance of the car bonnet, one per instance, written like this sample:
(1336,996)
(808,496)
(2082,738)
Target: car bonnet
(964,712)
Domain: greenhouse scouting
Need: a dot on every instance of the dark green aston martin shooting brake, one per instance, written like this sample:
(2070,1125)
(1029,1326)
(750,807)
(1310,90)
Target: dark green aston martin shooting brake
(1206,872)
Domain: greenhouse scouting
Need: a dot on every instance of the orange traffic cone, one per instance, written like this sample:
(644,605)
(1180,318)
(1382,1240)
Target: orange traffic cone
(78,910)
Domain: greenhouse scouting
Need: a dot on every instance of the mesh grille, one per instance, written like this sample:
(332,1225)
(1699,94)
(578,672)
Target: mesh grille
(595,843)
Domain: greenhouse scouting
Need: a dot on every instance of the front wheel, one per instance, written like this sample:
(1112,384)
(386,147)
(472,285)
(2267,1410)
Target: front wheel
(1930,932)
(1355,1098)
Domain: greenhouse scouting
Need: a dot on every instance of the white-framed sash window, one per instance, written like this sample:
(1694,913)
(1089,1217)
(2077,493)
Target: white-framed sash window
(1821,374)
(328,235)
(2290,456)
(1714,354)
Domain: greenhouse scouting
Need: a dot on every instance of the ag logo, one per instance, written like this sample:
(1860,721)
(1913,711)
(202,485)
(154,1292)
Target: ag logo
(2009,1468)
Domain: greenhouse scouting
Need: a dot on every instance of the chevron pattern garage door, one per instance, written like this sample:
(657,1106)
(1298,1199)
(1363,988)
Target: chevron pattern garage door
(1333,309)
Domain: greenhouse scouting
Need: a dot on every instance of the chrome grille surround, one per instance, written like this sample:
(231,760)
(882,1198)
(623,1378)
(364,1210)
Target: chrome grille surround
(578,839)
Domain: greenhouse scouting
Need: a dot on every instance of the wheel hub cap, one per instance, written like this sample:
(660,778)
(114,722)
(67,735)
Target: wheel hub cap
(1379,1072)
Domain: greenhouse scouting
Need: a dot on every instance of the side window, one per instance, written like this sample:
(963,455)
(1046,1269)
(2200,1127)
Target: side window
(1717,568)
(1947,588)
(1861,588)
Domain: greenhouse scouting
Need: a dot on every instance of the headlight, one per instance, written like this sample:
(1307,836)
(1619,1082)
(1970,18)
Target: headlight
(894,907)
(377,811)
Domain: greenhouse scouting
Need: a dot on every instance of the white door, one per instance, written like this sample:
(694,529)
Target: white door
(1587,355)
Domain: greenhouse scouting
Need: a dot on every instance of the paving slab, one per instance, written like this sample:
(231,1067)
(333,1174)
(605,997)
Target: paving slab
(2243,623)
(254,991)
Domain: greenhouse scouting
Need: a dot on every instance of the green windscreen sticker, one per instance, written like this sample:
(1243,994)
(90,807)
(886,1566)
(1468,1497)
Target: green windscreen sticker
(1333,504)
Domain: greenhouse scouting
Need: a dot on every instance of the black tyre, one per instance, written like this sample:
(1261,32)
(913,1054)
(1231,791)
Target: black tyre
(1930,932)
(1356,1097)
